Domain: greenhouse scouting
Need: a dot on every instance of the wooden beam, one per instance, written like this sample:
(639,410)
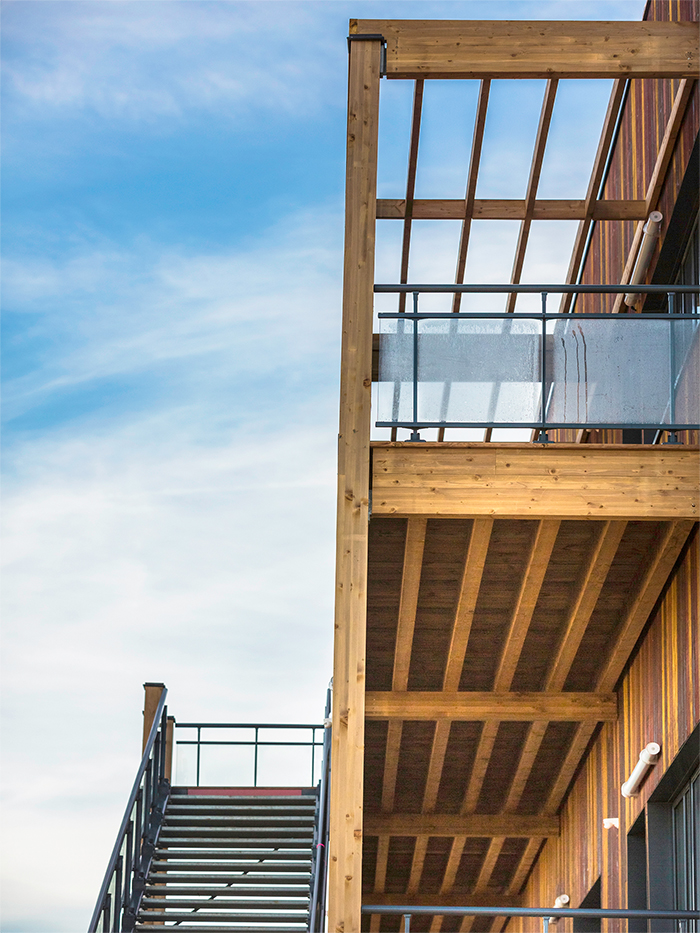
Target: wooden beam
(508,209)
(472,177)
(599,162)
(408,603)
(532,184)
(563,481)
(466,602)
(470,706)
(533,578)
(658,176)
(438,749)
(345,863)
(410,186)
(419,853)
(669,547)
(510,653)
(453,824)
(590,585)
(526,862)
(460,898)
(391,763)
(489,863)
(540,49)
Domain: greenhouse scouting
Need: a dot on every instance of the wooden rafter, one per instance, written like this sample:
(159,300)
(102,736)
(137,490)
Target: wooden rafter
(458,899)
(469,198)
(606,139)
(510,209)
(489,863)
(494,706)
(525,605)
(450,824)
(417,863)
(410,185)
(521,49)
(658,176)
(590,585)
(526,862)
(532,185)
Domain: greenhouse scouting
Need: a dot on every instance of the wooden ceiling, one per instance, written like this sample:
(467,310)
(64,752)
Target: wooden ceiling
(493,649)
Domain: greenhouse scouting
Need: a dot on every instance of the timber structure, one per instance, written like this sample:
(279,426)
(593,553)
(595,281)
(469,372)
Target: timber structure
(516,621)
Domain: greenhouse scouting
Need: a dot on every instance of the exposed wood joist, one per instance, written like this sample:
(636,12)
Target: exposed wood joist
(467,706)
(667,552)
(452,824)
(526,862)
(408,604)
(532,185)
(510,653)
(489,863)
(590,585)
(658,176)
(591,204)
(410,186)
(566,481)
(522,49)
(494,209)
(458,899)
(345,861)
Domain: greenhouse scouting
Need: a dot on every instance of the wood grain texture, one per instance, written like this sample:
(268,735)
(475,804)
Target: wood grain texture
(494,706)
(504,209)
(345,846)
(525,481)
(410,585)
(493,49)
(452,824)
(460,899)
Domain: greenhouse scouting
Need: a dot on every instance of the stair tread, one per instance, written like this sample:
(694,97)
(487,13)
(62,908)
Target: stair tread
(226,902)
(155,888)
(212,916)
(286,928)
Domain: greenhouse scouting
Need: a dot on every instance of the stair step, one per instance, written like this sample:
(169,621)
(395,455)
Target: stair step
(282,862)
(298,799)
(236,819)
(224,902)
(214,829)
(262,808)
(202,842)
(176,889)
(228,916)
(221,928)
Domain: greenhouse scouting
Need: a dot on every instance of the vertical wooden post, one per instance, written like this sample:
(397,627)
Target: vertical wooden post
(151,700)
(169,734)
(345,864)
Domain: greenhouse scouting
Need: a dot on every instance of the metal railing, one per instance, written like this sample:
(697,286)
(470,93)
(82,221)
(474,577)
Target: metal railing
(125,879)
(409,356)
(689,918)
(319,876)
(255,742)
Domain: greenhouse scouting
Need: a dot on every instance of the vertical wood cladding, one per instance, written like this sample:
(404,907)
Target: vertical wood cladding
(646,112)
(659,701)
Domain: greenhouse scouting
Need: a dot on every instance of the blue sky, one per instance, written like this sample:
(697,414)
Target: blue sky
(172,248)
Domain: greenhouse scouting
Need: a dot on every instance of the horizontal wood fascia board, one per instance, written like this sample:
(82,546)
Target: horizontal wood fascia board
(470,706)
(535,49)
(453,824)
(492,209)
(533,481)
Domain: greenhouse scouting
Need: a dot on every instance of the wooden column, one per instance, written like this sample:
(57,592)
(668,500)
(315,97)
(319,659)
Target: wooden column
(151,700)
(345,867)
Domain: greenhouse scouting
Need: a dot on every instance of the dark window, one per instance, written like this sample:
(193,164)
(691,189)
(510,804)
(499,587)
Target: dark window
(686,847)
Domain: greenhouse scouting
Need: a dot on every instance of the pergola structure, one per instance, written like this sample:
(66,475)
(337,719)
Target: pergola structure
(486,612)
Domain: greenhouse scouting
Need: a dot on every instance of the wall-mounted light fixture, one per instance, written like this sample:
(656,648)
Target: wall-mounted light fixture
(559,904)
(648,757)
(611,822)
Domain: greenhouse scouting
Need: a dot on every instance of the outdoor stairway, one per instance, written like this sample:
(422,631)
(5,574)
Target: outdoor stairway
(226,862)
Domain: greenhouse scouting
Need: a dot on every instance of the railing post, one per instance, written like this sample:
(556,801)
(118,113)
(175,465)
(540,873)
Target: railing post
(151,700)
(255,758)
(406,923)
(672,436)
(169,734)
(415,434)
(543,437)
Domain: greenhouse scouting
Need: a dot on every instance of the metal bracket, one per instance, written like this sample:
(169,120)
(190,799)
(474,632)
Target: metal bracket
(367,37)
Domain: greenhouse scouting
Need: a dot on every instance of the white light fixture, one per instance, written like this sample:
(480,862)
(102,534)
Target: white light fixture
(648,757)
(611,822)
(560,903)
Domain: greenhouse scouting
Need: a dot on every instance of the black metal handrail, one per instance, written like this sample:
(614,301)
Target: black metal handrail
(547,914)
(317,906)
(542,425)
(256,742)
(123,885)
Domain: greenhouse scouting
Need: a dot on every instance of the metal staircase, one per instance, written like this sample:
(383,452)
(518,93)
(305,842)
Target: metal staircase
(208,858)
(232,863)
